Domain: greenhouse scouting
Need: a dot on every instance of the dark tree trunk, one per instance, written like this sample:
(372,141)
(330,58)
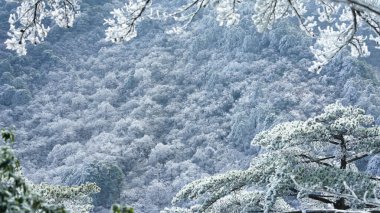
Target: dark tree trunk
(340,204)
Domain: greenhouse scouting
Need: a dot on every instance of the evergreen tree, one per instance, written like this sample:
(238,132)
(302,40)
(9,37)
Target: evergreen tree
(17,194)
(304,165)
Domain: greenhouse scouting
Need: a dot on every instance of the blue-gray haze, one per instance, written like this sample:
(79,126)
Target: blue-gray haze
(146,117)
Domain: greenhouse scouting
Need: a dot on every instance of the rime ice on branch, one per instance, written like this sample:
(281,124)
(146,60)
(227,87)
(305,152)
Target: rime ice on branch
(311,161)
(27,22)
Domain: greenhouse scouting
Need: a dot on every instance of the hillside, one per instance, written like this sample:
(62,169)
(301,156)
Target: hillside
(144,118)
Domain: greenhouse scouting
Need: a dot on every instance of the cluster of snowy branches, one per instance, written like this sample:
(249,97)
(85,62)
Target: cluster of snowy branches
(27,24)
(312,161)
(334,24)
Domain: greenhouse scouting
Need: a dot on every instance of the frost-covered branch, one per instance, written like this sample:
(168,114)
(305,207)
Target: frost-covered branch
(27,23)
(122,27)
(361,155)
(319,161)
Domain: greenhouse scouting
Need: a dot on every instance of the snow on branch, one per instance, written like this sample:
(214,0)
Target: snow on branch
(122,27)
(27,22)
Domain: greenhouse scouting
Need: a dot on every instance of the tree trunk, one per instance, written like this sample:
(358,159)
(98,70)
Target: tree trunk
(340,203)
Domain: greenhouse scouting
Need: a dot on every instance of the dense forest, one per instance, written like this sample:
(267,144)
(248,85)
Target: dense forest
(144,118)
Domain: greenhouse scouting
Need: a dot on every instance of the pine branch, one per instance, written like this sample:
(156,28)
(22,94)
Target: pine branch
(318,161)
(361,155)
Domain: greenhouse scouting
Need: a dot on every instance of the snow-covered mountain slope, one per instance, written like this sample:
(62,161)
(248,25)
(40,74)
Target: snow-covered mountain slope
(144,118)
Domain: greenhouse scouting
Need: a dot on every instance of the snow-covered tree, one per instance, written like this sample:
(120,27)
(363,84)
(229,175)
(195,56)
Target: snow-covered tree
(17,194)
(335,24)
(304,165)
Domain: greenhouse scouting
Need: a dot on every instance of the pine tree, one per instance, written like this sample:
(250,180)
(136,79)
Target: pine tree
(304,165)
(17,194)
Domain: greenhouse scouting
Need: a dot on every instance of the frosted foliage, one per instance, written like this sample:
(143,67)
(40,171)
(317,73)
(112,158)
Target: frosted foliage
(122,27)
(27,24)
(298,160)
(337,121)
(333,39)
(74,199)
(227,12)
(269,11)
(335,26)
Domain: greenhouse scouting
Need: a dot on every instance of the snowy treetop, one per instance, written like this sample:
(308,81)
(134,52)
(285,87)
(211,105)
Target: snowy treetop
(312,159)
